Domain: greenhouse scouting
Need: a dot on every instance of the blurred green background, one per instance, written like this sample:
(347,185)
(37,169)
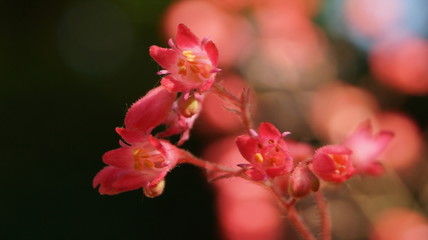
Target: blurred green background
(69,70)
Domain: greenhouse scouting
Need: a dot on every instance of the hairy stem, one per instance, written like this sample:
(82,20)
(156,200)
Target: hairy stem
(288,206)
(298,223)
(325,218)
(240,103)
(187,157)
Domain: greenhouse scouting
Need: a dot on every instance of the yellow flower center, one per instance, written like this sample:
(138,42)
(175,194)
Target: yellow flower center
(145,159)
(196,64)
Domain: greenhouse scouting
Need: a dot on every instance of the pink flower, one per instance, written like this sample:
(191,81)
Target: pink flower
(267,153)
(141,162)
(333,163)
(182,116)
(150,111)
(191,64)
(159,106)
(367,147)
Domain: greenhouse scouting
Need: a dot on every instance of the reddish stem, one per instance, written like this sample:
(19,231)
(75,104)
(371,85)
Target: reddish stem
(242,103)
(325,218)
(289,207)
(297,221)
(209,166)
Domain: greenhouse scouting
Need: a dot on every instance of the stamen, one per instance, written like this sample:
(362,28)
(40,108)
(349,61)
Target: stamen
(189,55)
(149,164)
(253,133)
(285,134)
(182,70)
(259,158)
(162,72)
(194,68)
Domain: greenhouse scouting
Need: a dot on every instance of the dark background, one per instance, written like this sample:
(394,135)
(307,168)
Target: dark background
(59,118)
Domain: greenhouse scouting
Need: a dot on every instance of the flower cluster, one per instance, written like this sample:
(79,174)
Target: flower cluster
(269,156)
(290,170)
(143,160)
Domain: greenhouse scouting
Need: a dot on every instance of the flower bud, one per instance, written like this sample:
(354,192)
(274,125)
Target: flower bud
(188,107)
(154,191)
(302,181)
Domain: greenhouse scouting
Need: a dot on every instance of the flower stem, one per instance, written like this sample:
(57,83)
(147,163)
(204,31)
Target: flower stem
(325,218)
(209,166)
(297,221)
(288,205)
(240,103)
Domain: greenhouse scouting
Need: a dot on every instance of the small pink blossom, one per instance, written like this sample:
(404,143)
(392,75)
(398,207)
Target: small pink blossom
(366,148)
(191,64)
(267,153)
(141,162)
(150,111)
(182,116)
(333,163)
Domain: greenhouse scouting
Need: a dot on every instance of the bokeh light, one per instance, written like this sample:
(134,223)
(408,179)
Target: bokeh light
(405,148)
(400,224)
(402,64)
(338,108)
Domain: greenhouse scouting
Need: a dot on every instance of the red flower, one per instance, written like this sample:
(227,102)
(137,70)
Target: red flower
(182,116)
(191,64)
(150,111)
(267,153)
(141,162)
(367,147)
(332,163)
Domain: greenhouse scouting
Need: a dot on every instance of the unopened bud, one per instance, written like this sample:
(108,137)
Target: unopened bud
(302,181)
(188,107)
(154,191)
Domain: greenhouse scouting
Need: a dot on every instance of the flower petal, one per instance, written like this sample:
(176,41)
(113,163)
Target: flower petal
(105,179)
(212,52)
(185,38)
(165,57)
(173,84)
(247,146)
(150,111)
(120,157)
(334,149)
(268,131)
(130,180)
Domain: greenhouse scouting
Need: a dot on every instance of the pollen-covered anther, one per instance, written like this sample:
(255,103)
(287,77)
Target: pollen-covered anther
(189,55)
(259,158)
(148,163)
